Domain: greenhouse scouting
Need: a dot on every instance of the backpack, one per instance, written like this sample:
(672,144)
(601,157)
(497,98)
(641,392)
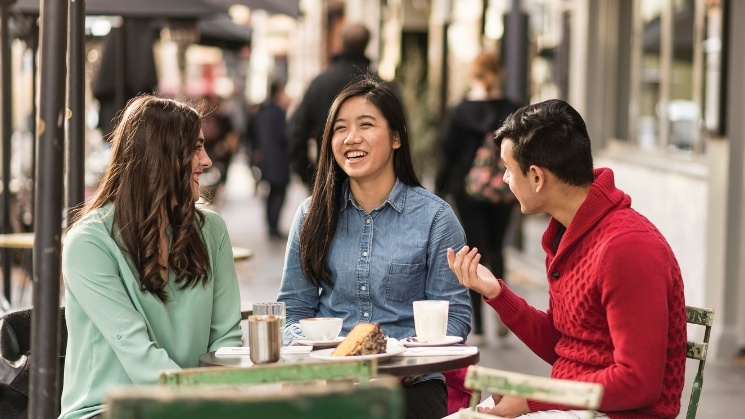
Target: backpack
(485,179)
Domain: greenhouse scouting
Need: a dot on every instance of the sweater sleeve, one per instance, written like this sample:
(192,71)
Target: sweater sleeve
(225,329)
(533,327)
(92,270)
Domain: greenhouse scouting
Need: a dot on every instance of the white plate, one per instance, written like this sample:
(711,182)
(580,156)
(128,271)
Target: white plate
(449,340)
(390,352)
(319,343)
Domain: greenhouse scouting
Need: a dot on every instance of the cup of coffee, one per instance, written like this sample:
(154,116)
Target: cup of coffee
(431,320)
(318,328)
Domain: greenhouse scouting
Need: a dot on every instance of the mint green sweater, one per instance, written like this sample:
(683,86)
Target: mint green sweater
(119,335)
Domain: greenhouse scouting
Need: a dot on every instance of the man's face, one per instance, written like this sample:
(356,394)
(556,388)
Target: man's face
(520,185)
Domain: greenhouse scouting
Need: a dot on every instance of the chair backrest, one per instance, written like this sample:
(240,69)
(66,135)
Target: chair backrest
(361,370)
(570,393)
(697,350)
(378,399)
(15,360)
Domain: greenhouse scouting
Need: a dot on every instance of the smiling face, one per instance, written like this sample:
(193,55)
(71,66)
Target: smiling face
(362,142)
(199,161)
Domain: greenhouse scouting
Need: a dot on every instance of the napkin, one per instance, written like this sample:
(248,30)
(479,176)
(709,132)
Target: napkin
(245,350)
(440,350)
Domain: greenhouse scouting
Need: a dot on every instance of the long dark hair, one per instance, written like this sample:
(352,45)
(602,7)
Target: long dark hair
(150,174)
(319,226)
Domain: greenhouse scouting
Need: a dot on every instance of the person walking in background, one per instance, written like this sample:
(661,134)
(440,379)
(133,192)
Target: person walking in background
(220,140)
(476,116)
(268,134)
(616,312)
(370,240)
(307,122)
(150,282)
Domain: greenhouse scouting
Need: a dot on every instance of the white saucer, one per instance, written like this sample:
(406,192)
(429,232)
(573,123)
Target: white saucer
(319,343)
(390,352)
(449,340)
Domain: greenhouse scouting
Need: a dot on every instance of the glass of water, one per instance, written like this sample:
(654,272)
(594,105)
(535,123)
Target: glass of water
(273,309)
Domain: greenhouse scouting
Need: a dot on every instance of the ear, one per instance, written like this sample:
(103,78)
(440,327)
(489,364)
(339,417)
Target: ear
(537,178)
(396,140)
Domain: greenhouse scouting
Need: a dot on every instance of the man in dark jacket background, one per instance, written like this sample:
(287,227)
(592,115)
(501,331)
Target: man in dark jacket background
(309,118)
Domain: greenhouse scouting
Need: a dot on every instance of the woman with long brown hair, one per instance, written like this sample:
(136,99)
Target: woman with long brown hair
(150,282)
(370,241)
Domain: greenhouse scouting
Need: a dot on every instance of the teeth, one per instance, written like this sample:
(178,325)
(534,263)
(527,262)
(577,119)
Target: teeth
(354,154)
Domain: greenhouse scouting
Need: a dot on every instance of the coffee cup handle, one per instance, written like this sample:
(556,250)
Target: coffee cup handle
(295,330)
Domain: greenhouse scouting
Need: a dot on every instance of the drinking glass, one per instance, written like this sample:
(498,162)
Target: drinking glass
(273,309)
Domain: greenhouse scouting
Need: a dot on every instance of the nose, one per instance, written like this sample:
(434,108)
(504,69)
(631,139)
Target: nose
(352,137)
(204,159)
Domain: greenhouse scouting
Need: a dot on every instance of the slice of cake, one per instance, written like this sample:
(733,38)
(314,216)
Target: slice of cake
(363,339)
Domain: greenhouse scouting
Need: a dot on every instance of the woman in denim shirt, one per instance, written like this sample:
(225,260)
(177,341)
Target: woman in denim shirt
(371,241)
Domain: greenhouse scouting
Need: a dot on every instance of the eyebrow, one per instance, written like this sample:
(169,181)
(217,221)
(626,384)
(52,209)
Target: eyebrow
(364,116)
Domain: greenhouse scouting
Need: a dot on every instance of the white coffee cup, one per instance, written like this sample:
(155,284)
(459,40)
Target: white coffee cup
(319,328)
(431,320)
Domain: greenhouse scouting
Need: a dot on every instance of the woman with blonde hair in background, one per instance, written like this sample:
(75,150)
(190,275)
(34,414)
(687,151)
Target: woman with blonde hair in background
(468,124)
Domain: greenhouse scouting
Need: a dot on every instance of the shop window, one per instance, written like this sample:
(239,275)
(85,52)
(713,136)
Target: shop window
(676,72)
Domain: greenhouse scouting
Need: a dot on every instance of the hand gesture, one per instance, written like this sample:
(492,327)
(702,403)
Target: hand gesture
(465,265)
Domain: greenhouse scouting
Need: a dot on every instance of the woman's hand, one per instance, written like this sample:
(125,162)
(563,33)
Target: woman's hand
(507,406)
(465,264)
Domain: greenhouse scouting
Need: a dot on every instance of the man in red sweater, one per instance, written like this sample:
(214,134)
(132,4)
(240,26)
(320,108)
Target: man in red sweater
(616,312)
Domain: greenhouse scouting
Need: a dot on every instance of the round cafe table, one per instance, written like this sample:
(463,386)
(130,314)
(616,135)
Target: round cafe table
(397,365)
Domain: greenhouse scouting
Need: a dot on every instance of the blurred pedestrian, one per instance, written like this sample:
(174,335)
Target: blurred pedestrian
(150,282)
(268,134)
(220,140)
(309,118)
(467,125)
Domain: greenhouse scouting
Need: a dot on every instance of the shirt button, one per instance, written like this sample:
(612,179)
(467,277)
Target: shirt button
(365,314)
(555,274)
(367,221)
(363,288)
(364,254)
(117,337)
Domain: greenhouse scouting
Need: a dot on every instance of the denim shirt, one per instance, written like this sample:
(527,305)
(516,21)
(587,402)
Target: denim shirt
(381,263)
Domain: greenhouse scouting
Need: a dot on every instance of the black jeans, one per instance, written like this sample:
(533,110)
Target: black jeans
(485,225)
(426,399)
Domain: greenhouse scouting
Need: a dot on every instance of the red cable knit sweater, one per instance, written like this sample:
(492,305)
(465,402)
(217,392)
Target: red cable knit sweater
(616,311)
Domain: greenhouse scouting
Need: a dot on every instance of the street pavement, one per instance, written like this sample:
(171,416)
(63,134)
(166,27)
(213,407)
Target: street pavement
(241,205)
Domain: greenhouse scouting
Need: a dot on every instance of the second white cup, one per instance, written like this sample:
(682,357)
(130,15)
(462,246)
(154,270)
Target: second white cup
(318,328)
(431,320)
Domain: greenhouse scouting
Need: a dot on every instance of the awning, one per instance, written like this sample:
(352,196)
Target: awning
(286,7)
(174,9)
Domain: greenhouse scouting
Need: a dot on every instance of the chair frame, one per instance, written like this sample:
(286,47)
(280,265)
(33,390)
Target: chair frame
(698,350)
(361,371)
(571,393)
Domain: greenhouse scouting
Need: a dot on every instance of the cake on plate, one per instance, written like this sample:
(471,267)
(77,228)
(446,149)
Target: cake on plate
(363,339)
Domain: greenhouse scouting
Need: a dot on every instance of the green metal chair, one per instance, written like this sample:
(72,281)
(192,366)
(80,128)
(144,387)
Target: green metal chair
(571,393)
(361,371)
(697,350)
(377,399)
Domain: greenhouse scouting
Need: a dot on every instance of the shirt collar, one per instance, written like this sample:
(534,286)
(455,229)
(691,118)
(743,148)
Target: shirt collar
(396,198)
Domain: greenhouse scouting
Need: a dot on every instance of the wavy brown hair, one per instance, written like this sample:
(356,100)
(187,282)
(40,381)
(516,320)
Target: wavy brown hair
(319,226)
(150,175)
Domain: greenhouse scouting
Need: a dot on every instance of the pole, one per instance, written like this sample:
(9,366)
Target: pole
(6,129)
(516,54)
(76,102)
(45,321)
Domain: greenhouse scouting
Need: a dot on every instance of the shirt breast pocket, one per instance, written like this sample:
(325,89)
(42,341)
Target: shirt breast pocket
(405,281)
